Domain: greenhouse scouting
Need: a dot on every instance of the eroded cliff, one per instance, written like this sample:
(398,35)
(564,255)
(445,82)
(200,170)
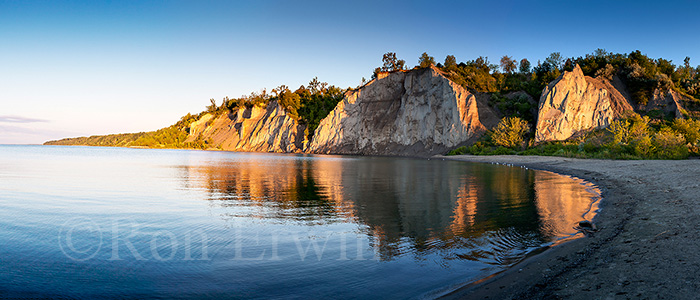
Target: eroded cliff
(668,103)
(415,113)
(574,103)
(257,129)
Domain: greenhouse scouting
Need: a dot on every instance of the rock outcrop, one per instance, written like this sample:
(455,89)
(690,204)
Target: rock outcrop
(258,129)
(415,113)
(574,103)
(668,102)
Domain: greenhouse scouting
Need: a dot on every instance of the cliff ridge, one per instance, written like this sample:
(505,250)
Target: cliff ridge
(574,103)
(414,113)
(256,129)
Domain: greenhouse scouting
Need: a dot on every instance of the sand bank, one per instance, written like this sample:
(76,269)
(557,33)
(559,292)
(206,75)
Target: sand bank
(647,246)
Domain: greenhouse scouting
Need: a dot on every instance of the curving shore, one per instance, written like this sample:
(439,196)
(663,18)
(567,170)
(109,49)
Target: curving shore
(647,246)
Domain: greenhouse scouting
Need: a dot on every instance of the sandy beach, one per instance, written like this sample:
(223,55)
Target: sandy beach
(647,246)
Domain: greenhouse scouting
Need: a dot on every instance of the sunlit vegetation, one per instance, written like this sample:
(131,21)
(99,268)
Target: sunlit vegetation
(639,72)
(169,137)
(390,63)
(112,140)
(634,137)
(308,104)
(173,136)
(426,60)
(510,132)
(654,135)
(643,74)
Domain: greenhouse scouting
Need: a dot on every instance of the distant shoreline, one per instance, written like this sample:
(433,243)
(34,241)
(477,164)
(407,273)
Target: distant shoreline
(645,247)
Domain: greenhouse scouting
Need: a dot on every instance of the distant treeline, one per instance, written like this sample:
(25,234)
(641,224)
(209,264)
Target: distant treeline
(110,140)
(173,136)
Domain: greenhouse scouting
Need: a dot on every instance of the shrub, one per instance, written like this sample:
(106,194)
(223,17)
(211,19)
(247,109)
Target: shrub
(690,129)
(620,131)
(644,147)
(458,151)
(607,72)
(670,144)
(502,151)
(628,130)
(510,132)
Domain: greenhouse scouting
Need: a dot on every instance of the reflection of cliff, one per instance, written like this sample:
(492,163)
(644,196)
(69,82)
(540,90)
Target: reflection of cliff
(560,202)
(493,189)
(407,206)
(283,187)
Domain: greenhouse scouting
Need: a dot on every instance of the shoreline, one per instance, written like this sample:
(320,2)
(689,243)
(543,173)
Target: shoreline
(645,246)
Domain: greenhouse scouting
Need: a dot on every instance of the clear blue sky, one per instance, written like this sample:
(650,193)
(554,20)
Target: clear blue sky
(75,68)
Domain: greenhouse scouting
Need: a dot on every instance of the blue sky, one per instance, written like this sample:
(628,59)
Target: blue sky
(76,68)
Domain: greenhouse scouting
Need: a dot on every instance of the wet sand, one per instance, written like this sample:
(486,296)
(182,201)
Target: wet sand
(647,246)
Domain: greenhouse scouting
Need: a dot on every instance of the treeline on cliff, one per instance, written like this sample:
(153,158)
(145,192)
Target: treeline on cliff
(308,105)
(639,72)
(641,75)
(650,135)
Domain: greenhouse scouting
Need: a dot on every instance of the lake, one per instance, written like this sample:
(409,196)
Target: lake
(87,222)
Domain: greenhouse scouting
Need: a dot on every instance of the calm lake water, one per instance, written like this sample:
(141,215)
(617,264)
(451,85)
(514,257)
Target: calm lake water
(85,222)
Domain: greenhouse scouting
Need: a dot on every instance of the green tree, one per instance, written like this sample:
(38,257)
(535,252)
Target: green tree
(291,102)
(607,72)
(669,144)
(390,63)
(213,107)
(450,62)
(510,132)
(690,129)
(626,131)
(555,60)
(665,66)
(600,53)
(507,64)
(426,60)
(376,71)
(525,66)
(543,74)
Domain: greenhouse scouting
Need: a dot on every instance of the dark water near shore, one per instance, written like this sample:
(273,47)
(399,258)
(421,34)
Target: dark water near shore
(86,222)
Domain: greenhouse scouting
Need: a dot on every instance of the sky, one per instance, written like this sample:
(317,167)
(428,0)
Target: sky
(80,68)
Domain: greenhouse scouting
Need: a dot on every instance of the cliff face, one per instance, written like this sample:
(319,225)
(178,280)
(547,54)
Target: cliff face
(574,103)
(668,102)
(255,129)
(417,113)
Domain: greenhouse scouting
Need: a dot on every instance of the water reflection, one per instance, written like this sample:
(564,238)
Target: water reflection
(492,214)
(194,224)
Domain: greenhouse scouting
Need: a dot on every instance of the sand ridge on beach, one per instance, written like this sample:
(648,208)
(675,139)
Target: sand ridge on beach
(647,246)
